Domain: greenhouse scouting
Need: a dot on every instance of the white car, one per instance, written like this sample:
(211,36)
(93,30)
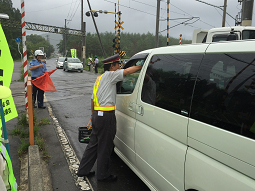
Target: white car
(59,62)
(72,64)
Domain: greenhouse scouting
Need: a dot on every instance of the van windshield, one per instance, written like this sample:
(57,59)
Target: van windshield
(248,34)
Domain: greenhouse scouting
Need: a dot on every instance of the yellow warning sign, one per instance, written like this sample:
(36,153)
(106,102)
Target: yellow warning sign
(6,70)
(118,25)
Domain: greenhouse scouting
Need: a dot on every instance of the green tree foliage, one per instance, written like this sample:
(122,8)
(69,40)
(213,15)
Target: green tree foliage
(36,41)
(130,42)
(11,33)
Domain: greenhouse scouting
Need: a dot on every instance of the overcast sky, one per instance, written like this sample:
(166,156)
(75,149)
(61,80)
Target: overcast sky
(139,16)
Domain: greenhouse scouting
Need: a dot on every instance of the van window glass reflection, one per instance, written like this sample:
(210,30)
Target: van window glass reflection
(224,95)
(169,81)
(127,86)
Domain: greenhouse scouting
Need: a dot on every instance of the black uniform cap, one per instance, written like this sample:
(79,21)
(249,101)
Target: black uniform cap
(111,59)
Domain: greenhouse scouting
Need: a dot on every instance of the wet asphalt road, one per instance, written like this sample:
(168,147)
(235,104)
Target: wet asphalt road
(71,106)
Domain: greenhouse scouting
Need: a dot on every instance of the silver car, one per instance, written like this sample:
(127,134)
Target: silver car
(72,64)
(59,62)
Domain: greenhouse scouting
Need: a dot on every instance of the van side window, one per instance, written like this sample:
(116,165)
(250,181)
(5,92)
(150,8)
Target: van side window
(169,81)
(128,84)
(224,95)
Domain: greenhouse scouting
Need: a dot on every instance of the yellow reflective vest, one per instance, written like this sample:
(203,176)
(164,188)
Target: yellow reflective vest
(11,179)
(96,104)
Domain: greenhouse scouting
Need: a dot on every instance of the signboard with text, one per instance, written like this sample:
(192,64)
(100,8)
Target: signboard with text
(6,70)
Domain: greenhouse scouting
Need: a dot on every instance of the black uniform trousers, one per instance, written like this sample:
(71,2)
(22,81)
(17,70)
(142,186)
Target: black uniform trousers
(37,94)
(96,68)
(100,145)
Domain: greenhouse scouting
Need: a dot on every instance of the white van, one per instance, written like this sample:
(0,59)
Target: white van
(223,34)
(186,121)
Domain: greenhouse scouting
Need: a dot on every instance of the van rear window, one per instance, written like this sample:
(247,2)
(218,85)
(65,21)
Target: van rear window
(248,34)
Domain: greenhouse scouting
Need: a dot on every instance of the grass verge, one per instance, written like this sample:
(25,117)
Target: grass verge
(22,131)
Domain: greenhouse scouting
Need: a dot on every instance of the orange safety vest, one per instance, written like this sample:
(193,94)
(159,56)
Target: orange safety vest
(96,104)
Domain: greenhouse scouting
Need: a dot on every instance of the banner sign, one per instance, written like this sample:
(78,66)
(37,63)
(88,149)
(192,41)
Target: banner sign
(6,70)
(73,53)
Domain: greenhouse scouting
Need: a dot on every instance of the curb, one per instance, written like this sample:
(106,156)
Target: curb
(71,158)
(35,176)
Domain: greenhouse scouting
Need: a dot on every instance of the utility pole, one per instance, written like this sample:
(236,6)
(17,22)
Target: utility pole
(65,41)
(83,53)
(157,23)
(82,31)
(167,41)
(97,30)
(65,34)
(48,40)
(247,11)
(224,13)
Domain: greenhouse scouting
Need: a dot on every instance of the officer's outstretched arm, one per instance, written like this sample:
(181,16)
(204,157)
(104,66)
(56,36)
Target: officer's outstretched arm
(131,70)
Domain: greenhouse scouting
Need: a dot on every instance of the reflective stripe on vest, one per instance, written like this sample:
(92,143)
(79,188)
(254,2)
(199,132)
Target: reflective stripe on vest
(96,104)
(11,178)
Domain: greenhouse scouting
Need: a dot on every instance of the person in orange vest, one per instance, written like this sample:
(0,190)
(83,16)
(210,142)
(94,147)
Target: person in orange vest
(103,105)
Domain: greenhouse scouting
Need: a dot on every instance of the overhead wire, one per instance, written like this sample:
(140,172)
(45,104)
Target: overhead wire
(191,15)
(156,7)
(70,9)
(155,15)
(49,8)
(222,16)
(74,12)
(132,8)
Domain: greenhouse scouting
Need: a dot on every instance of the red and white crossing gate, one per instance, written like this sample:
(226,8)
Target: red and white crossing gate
(24,48)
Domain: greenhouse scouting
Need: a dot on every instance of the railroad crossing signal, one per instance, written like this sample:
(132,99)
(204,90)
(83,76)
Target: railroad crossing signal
(122,53)
(118,25)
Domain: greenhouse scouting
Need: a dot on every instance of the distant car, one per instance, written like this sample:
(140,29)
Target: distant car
(60,61)
(72,64)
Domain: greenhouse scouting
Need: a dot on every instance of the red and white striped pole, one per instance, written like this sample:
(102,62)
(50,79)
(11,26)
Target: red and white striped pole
(24,43)
(180,42)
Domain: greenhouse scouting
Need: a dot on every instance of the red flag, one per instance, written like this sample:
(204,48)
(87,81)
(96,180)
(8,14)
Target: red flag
(44,82)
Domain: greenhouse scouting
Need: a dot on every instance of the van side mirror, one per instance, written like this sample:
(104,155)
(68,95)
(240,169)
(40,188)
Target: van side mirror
(232,36)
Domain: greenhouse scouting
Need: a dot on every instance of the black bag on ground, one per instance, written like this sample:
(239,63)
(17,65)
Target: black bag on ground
(84,133)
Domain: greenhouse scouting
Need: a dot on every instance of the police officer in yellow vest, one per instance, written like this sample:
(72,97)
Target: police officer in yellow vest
(7,179)
(103,105)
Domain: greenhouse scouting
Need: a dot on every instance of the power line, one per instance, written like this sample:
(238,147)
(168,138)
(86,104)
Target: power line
(133,8)
(155,15)
(156,7)
(70,9)
(49,8)
(75,12)
(190,15)
(222,15)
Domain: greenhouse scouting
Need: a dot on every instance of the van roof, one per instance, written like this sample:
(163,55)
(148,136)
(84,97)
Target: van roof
(222,29)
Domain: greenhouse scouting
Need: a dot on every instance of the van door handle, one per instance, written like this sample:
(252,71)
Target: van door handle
(139,110)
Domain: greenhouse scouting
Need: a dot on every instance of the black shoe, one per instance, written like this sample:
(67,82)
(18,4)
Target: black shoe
(92,173)
(110,178)
(42,107)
